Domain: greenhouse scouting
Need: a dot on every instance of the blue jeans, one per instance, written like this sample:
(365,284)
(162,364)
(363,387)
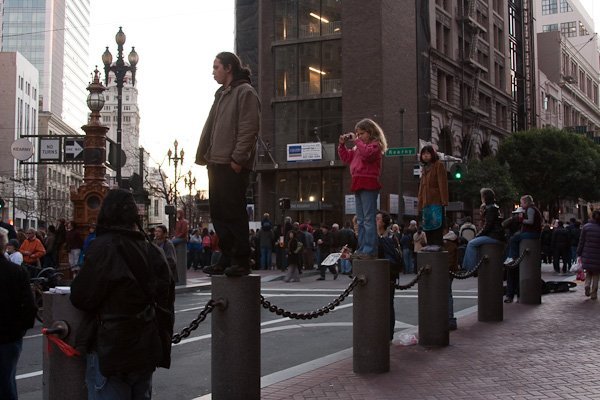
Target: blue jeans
(131,386)
(408,261)
(9,356)
(366,208)
(515,241)
(265,257)
(472,252)
(345,266)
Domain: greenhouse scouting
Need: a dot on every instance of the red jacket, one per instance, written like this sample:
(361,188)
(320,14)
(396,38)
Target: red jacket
(365,164)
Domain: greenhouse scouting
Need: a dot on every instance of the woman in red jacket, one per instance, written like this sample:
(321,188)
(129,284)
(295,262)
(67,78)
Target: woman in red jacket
(365,159)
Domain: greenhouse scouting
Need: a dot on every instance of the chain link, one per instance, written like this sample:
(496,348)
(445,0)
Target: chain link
(185,332)
(469,274)
(414,281)
(516,262)
(313,314)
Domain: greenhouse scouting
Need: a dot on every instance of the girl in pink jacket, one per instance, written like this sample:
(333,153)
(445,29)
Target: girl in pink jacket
(365,160)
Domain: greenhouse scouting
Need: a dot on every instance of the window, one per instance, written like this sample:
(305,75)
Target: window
(565,6)
(569,29)
(156,207)
(106,118)
(550,28)
(582,29)
(127,108)
(549,7)
(126,118)
(286,23)
(126,98)
(286,73)
(498,6)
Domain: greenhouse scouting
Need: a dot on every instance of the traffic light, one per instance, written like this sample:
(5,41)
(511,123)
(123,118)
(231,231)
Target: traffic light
(457,171)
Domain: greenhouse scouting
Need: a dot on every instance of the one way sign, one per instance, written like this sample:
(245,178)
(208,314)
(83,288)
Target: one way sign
(74,149)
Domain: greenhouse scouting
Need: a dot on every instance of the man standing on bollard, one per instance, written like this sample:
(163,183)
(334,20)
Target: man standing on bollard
(17,313)
(227,147)
(127,291)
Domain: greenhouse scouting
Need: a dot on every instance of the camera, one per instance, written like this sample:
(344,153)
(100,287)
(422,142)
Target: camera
(348,136)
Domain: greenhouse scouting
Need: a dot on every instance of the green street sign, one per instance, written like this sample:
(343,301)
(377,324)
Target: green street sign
(401,151)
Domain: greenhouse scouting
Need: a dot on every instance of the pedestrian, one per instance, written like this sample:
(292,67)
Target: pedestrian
(491,232)
(195,251)
(91,236)
(214,247)
(365,160)
(17,313)
(294,249)
(419,241)
(227,147)
(561,248)
(127,293)
(546,243)
(161,240)
(531,228)
(309,247)
(206,247)
(511,227)
(433,194)
(266,237)
(33,250)
(589,252)
(12,233)
(50,245)
(74,245)
(406,242)
(324,245)
(182,229)
(12,253)
(388,248)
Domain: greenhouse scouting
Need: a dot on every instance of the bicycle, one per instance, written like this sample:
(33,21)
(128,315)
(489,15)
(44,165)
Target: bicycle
(45,279)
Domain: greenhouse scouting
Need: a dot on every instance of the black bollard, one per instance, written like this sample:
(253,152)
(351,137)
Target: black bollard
(235,353)
(530,272)
(371,317)
(181,258)
(63,377)
(433,299)
(490,307)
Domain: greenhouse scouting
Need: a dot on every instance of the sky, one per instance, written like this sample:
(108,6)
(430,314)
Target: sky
(176,47)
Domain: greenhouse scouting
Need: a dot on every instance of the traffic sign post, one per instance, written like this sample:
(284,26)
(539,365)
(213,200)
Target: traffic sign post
(74,149)
(21,149)
(401,151)
(49,149)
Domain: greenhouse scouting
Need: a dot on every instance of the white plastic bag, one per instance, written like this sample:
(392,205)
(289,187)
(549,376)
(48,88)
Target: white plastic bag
(576,267)
(406,339)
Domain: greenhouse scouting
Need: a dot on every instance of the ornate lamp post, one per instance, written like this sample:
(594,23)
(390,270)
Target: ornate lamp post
(176,158)
(190,183)
(120,69)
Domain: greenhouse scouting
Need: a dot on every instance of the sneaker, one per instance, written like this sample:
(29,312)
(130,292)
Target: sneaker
(237,270)
(215,269)
(508,261)
(508,299)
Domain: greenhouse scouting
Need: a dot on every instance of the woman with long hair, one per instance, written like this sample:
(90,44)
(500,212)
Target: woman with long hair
(433,194)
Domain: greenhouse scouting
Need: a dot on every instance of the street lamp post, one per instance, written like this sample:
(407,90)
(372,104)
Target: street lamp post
(190,183)
(176,158)
(120,69)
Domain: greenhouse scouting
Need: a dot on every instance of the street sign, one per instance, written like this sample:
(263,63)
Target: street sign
(49,149)
(74,149)
(21,149)
(401,151)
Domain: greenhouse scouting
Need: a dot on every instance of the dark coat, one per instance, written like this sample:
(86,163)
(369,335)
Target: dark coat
(121,284)
(17,308)
(492,224)
(560,239)
(589,247)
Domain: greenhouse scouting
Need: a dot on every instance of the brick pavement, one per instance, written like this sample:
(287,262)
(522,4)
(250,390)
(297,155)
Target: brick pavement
(549,351)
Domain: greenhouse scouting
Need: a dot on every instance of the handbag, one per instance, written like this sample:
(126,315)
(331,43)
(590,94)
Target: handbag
(576,267)
(432,217)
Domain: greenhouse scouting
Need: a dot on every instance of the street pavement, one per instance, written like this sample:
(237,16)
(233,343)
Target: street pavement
(547,351)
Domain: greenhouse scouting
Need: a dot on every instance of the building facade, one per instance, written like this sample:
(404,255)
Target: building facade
(19,92)
(54,36)
(457,73)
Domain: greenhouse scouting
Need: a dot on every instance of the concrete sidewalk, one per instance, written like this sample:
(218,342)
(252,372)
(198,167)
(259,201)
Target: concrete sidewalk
(548,351)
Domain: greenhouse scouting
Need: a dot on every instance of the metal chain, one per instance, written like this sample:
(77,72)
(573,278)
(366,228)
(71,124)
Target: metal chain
(313,314)
(516,262)
(414,281)
(185,332)
(469,274)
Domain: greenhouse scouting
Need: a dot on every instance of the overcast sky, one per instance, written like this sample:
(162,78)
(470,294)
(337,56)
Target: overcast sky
(176,45)
(177,41)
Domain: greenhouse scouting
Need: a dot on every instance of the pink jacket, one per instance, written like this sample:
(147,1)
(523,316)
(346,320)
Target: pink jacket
(365,163)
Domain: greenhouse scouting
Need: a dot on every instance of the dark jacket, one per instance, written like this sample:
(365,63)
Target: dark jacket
(492,224)
(17,308)
(589,247)
(560,239)
(123,284)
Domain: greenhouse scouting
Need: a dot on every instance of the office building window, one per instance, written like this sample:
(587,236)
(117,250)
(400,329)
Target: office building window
(286,72)
(550,28)
(549,7)
(565,6)
(307,18)
(569,29)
